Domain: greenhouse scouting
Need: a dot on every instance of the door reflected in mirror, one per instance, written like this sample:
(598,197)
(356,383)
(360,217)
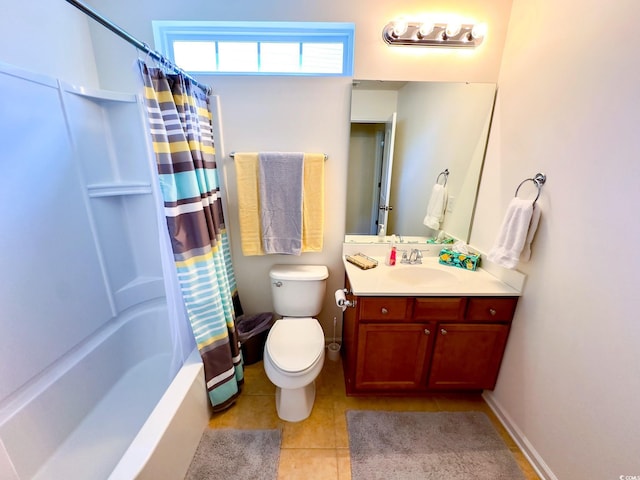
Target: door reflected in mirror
(438,126)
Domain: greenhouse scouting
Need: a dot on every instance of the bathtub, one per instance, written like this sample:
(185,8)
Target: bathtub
(114,408)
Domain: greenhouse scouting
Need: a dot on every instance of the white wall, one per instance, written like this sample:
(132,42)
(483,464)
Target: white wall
(569,106)
(49,37)
(375,106)
(291,114)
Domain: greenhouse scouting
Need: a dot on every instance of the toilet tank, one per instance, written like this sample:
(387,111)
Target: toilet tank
(298,290)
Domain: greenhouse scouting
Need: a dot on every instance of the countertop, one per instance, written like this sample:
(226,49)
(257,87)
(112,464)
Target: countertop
(429,279)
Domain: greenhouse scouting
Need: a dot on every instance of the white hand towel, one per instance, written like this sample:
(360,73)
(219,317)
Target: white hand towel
(517,230)
(436,207)
(535,219)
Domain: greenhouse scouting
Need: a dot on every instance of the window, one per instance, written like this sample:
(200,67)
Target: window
(258,48)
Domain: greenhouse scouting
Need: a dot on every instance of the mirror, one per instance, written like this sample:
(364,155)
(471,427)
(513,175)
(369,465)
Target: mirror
(439,126)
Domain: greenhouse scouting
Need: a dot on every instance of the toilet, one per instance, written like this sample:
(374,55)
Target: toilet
(294,350)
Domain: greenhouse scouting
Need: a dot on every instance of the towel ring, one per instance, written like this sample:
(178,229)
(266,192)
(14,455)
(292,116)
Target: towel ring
(446,176)
(538,181)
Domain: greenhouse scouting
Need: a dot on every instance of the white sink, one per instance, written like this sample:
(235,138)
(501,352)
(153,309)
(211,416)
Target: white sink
(427,279)
(422,275)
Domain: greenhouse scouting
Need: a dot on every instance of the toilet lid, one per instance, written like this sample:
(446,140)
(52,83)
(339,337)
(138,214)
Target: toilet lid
(295,344)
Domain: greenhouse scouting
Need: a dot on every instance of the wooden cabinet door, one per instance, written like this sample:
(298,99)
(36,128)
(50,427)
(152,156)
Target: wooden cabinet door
(467,356)
(393,356)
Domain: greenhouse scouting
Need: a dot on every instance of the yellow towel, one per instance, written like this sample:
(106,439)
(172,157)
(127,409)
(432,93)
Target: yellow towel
(313,203)
(248,203)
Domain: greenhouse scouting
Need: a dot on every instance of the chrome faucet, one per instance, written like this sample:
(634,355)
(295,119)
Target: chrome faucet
(414,258)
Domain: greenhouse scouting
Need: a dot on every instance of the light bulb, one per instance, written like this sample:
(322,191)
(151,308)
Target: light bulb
(453,29)
(399,27)
(425,29)
(479,30)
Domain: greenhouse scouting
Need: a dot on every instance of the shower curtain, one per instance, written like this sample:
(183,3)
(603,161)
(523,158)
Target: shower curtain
(180,121)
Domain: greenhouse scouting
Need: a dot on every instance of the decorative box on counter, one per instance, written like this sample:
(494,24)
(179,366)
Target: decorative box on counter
(468,261)
(444,240)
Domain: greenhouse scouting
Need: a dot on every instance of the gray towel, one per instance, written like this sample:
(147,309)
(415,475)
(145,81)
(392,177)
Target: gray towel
(280,177)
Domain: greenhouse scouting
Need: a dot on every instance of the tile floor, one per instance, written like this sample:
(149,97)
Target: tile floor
(318,447)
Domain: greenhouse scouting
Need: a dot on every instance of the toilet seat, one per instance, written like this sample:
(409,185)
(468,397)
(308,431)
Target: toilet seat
(295,344)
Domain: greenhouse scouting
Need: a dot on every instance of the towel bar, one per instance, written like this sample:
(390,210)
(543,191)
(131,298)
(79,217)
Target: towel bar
(233,154)
(538,180)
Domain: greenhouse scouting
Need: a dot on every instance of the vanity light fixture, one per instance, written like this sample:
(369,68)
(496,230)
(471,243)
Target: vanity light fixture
(399,28)
(452,29)
(401,32)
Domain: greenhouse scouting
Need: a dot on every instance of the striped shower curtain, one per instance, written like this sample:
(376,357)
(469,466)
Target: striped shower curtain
(181,128)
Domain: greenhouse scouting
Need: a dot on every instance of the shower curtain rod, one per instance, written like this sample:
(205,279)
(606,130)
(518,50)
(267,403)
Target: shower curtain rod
(136,43)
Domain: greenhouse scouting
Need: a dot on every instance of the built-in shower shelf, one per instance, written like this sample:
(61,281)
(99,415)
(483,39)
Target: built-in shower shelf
(141,289)
(98,95)
(118,189)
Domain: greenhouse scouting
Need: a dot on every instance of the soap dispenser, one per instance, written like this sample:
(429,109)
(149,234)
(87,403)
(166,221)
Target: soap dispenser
(381,232)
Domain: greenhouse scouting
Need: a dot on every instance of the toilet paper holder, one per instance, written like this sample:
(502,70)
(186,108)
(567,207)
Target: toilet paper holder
(344,302)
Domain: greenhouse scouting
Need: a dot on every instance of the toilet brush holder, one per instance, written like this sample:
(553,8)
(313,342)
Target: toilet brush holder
(333,351)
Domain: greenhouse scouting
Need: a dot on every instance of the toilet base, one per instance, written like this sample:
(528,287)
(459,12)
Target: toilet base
(295,404)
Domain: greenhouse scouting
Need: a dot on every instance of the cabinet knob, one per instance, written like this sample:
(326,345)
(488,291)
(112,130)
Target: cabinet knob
(427,331)
(384,311)
(443,331)
(492,312)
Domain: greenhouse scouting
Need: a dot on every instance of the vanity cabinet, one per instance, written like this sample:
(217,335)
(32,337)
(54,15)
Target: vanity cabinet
(421,344)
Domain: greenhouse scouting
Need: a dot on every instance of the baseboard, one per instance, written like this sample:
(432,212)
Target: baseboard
(534,458)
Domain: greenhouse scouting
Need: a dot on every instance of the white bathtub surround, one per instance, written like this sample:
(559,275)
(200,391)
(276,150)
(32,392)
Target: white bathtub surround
(90,347)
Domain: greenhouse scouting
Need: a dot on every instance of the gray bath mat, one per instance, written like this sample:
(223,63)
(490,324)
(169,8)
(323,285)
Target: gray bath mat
(427,445)
(236,454)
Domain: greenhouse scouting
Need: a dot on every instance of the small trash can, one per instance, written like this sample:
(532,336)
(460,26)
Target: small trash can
(252,333)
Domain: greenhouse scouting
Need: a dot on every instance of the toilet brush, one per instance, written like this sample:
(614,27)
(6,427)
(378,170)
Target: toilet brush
(334,329)
(334,348)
